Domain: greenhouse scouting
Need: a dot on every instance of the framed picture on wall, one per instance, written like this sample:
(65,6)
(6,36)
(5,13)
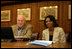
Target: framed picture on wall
(5,15)
(51,10)
(69,13)
(26,12)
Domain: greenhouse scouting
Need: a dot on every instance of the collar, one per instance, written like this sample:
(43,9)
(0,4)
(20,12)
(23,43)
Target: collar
(22,27)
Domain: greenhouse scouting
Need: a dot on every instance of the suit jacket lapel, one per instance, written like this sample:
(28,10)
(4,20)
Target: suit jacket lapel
(47,34)
(55,35)
(23,32)
(16,31)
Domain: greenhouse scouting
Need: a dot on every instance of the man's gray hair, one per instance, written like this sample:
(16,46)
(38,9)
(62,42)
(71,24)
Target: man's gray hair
(21,15)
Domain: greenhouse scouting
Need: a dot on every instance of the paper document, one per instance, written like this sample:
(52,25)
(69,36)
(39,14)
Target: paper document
(41,42)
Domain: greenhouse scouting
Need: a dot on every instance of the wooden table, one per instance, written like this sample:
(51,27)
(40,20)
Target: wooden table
(24,45)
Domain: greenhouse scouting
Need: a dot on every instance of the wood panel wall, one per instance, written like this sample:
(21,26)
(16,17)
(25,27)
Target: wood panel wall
(38,25)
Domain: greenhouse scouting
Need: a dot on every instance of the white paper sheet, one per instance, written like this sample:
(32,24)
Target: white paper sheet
(41,42)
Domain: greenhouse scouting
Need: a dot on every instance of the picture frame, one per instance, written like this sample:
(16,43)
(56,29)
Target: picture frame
(69,12)
(5,15)
(51,10)
(26,12)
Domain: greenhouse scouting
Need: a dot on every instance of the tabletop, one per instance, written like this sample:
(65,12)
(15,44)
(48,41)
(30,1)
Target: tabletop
(23,44)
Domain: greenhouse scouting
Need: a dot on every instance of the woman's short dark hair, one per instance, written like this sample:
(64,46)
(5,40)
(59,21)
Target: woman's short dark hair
(52,18)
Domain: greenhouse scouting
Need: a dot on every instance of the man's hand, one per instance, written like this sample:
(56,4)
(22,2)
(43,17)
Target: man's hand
(19,39)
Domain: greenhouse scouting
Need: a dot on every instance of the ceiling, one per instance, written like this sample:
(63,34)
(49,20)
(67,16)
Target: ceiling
(5,3)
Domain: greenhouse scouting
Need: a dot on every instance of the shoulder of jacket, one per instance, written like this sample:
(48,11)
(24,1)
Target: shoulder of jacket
(45,30)
(14,25)
(28,25)
(59,27)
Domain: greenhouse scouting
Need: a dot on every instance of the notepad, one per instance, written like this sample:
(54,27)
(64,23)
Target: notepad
(40,42)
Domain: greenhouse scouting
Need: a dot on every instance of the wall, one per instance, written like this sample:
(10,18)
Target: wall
(38,25)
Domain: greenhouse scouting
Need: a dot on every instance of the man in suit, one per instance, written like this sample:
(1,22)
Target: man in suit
(22,30)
